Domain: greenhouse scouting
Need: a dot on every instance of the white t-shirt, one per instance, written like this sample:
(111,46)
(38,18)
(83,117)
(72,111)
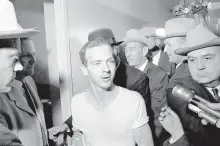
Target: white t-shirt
(113,125)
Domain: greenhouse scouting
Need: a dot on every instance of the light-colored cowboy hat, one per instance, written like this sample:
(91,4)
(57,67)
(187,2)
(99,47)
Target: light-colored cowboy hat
(104,33)
(134,35)
(9,27)
(178,27)
(198,38)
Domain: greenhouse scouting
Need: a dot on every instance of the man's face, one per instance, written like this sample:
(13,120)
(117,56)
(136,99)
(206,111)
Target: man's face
(172,44)
(204,64)
(101,66)
(27,58)
(8,58)
(134,53)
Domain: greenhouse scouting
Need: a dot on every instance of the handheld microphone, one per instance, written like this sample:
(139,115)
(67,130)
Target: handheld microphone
(204,112)
(188,96)
(209,118)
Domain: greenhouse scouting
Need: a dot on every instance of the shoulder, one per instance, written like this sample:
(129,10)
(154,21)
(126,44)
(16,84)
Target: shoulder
(131,71)
(157,73)
(130,95)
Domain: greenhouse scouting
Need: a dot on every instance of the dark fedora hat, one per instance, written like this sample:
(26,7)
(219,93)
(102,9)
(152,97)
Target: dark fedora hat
(104,33)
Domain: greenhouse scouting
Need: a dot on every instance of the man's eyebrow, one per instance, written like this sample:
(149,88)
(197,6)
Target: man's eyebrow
(209,54)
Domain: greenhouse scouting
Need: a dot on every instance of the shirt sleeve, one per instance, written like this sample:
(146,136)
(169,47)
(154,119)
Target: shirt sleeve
(140,113)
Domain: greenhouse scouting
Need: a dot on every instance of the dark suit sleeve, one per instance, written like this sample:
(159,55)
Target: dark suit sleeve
(183,141)
(7,137)
(158,98)
(142,87)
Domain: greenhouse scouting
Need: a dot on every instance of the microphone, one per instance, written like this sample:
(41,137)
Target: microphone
(187,95)
(209,118)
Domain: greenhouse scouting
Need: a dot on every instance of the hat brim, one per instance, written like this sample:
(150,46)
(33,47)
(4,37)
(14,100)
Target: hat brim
(23,33)
(172,35)
(117,43)
(150,44)
(183,51)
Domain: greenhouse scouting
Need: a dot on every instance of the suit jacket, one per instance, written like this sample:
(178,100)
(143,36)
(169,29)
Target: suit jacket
(132,79)
(183,141)
(165,64)
(19,124)
(158,80)
(198,134)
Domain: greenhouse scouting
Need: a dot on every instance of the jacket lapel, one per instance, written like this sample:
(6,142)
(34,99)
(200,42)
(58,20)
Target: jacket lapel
(147,68)
(16,95)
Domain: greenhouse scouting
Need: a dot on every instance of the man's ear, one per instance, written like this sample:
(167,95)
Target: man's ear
(157,42)
(145,50)
(84,70)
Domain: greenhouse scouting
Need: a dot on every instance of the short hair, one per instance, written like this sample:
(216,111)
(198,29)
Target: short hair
(96,43)
(7,43)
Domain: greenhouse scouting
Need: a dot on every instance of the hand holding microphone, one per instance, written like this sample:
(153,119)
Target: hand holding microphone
(198,105)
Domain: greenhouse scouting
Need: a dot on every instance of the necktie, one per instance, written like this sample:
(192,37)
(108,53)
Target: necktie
(216,96)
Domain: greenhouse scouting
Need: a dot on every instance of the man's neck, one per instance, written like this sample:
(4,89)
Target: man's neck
(142,62)
(103,97)
(213,84)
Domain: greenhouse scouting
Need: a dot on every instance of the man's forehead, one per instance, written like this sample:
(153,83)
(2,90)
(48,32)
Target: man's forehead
(99,53)
(215,50)
(27,45)
(133,44)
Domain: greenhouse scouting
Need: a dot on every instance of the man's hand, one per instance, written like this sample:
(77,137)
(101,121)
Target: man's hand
(54,132)
(171,123)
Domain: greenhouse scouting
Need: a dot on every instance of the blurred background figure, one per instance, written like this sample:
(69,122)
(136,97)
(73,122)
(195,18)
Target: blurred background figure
(9,63)
(27,58)
(159,57)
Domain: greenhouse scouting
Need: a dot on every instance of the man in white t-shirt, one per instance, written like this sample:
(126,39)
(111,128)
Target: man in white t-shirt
(108,115)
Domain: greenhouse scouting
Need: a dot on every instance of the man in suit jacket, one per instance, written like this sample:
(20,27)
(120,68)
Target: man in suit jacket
(175,33)
(19,124)
(159,57)
(22,114)
(21,110)
(125,76)
(136,47)
(203,52)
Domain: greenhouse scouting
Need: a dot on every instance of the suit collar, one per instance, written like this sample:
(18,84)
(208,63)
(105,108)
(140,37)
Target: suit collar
(16,95)
(147,67)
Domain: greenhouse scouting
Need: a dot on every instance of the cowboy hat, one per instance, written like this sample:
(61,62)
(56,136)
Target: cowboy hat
(198,38)
(104,33)
(134,35)
(178,27)
(9,27)
(148,31)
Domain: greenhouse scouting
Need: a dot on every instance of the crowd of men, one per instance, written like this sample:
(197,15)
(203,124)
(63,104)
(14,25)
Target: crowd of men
(129,101)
